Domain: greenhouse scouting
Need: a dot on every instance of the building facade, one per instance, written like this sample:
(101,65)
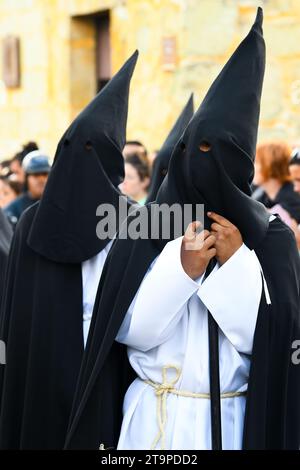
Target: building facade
(56,54)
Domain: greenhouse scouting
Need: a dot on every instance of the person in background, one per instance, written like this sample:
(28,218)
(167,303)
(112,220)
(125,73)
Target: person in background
(294,168)
(16,162)
(135,147)
(10,189)
(137,178)
(36,167)
(16,167)
(272,176)
(5,168)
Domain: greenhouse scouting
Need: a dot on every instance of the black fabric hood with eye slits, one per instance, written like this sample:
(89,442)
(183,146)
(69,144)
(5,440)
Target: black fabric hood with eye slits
(161,162)
(213,162)
(87,169)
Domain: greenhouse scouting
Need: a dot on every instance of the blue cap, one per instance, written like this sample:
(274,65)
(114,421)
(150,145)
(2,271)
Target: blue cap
(36,162)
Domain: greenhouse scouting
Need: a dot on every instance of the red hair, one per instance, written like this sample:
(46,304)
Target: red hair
(274,158)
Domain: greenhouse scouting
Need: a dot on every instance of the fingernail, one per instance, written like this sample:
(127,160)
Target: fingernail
(209,213)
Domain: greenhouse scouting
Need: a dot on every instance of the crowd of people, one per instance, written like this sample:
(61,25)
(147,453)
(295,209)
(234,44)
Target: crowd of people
(22,180)
(176,342)
(276,182)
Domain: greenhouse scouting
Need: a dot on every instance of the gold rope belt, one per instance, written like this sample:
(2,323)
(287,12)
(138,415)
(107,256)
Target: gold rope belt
(161,392)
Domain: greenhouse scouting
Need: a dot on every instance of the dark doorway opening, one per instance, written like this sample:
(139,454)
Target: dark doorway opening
(103,49)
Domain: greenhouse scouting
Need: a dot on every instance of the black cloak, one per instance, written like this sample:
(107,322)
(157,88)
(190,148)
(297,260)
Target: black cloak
(6,234)
(227,120)
(161,162)
(42,310)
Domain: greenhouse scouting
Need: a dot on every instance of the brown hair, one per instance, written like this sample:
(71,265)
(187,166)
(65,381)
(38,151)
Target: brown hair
(274,158)
(16,186)
(140,163)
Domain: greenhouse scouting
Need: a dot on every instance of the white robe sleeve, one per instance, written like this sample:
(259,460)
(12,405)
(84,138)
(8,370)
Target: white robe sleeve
(232,294)
(91,271)
(160,301)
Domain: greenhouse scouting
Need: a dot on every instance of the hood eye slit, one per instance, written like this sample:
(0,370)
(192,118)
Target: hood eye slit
(205,146)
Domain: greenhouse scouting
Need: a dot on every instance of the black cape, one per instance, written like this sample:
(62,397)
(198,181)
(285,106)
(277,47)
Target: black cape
(42,310)
(42,328)
(219,176)
(6,234)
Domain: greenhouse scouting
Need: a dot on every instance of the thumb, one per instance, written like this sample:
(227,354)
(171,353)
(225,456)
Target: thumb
(191,231)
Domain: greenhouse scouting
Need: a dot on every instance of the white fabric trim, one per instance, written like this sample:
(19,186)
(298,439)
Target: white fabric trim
(235,305)
(91,271)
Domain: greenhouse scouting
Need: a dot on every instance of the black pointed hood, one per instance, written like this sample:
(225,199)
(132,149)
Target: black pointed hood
(219,144)
(161,162)
(87,169)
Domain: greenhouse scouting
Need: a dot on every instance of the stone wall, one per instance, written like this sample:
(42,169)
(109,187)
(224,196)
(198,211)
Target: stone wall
(58,62)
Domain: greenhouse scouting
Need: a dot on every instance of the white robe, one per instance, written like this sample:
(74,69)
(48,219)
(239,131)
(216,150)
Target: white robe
(166,324)
(91,271)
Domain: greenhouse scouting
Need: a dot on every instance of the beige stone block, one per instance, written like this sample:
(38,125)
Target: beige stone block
(283,36)
(9,123)
(37,80)
(35,52)
(272,101)
(209,27)
(85,7)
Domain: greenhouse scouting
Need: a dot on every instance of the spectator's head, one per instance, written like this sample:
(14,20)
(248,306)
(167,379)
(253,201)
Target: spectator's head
(295,169)
(36,167)
(134,147)
(10,189)
(5,168)
(16,162)
(16,167)
(272,163)
(137,177)
(29,147)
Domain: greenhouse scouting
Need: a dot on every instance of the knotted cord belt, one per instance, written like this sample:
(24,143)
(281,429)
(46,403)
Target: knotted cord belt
(161,392)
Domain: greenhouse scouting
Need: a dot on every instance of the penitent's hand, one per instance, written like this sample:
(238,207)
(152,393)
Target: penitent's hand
(196,250)
(228,237)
